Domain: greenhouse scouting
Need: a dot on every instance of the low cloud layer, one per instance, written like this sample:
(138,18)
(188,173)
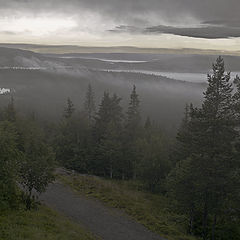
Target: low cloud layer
(132,12)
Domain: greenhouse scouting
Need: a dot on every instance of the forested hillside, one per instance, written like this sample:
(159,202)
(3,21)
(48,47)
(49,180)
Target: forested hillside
(199,170)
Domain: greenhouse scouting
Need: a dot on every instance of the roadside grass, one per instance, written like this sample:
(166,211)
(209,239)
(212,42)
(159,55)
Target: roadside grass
(154,211)
(38,225)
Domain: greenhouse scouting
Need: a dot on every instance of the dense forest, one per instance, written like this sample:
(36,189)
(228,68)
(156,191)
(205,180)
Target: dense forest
(199,170)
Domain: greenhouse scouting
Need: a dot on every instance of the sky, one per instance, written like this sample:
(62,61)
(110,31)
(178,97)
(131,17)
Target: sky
(200,24)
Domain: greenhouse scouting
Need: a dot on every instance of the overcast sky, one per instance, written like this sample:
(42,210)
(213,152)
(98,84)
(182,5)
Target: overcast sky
(205,24)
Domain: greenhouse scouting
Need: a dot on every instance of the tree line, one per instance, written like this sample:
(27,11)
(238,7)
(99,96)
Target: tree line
(111,143)
(199,172)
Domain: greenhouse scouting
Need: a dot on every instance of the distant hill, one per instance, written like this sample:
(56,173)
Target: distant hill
(189,63)
(59,49)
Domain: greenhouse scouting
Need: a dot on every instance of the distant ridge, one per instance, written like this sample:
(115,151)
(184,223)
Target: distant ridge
(60,49)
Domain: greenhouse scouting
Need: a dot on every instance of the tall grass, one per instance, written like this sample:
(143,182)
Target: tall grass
(41,224)
(152,210)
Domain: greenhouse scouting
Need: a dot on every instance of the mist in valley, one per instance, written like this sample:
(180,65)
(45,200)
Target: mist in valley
(41,83)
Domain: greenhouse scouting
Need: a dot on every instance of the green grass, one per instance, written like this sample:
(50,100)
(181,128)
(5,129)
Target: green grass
(41,224)
(152,210)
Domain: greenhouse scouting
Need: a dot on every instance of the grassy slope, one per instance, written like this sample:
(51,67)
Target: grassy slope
(38,225)
(151,210)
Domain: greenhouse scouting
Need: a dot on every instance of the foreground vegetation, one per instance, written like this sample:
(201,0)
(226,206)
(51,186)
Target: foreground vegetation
(154,211)
(38,225)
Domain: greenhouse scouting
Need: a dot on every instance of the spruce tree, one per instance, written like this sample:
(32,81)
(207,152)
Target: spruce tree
(148,124)
(133,115)
(109,111)
(89,104)
(107,134)
(10,111)
(132,133)
(69,110)
(216,141)
(204,174)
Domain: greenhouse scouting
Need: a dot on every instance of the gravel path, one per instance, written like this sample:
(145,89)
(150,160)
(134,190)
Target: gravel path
(107,223)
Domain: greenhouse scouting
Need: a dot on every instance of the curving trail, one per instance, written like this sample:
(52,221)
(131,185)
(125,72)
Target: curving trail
(106,223)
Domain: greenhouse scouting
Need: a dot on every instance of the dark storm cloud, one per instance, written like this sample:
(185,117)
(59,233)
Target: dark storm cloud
(209,32)
(135,13)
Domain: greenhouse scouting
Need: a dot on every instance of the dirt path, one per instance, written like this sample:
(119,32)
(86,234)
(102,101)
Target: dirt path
(107,223)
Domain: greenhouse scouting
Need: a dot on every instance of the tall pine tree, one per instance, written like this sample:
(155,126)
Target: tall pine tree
(133,131)
(69,110)
(204,176)
(107,133)
(89,104)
